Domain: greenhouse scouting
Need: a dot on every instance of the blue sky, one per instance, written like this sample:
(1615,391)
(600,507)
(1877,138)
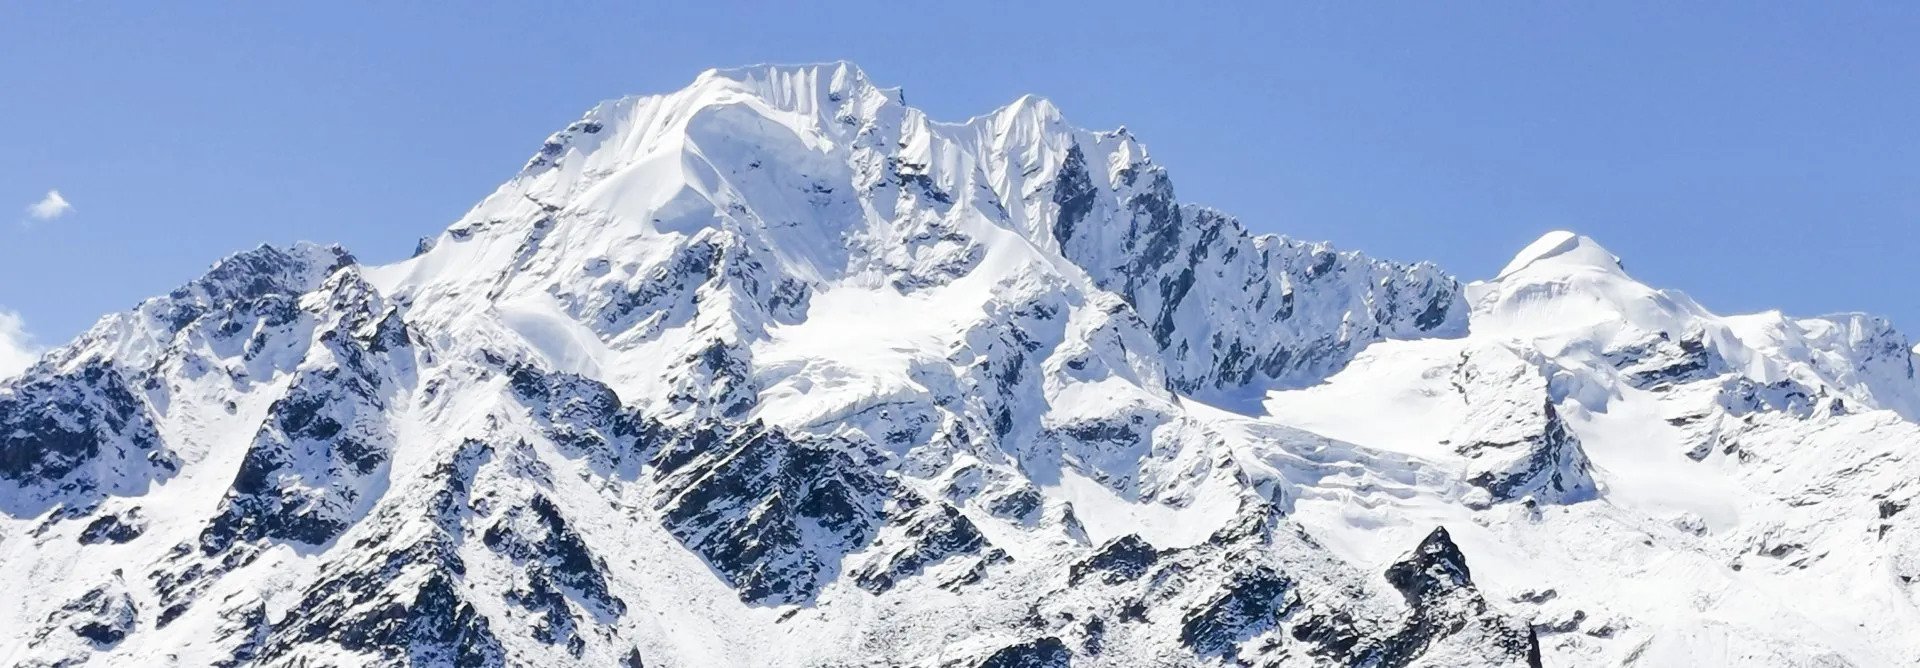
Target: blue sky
(1755,156)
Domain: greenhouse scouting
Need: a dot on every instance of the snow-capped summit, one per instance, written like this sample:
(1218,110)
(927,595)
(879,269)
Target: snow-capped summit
(826,184)
(1662,456)
(776,370)
(1562,249)
(1568,289)
(1573,299)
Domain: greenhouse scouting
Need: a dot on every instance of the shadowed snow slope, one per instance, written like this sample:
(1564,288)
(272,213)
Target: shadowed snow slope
(775,370)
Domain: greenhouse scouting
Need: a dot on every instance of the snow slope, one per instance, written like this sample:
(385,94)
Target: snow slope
(775,370)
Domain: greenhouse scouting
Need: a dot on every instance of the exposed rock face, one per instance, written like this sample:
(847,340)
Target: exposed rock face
(1449,613)
(96,620)
(323,444)
(75,437)
(115,527)
(1046,652)
(773,515)
(775,370)
(1123,559)
(1515,443)
(1225,307)
(1547,464)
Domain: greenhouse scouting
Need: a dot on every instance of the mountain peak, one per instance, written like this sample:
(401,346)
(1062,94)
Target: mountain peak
(1562,248)
(838,79)
(1034,104)
(805,88)
(762,71)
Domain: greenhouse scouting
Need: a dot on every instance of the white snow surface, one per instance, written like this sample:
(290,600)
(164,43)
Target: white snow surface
(1008,324)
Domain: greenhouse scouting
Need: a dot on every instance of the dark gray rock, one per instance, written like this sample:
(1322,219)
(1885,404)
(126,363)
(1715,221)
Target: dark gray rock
(1048,652)
(771,515)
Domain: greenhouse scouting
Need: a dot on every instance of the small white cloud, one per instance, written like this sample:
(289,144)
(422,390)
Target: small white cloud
(17,351)
(50,207)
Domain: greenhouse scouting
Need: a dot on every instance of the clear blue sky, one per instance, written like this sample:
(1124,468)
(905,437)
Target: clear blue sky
(1756,155)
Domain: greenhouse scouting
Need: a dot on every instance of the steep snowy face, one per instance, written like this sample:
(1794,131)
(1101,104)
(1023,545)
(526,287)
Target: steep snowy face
(792,181)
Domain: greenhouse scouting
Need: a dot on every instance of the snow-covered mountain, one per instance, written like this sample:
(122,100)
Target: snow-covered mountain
(776,371)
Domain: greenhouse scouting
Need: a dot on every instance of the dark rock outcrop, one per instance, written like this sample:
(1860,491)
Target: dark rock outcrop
(1438,587)
(772,515)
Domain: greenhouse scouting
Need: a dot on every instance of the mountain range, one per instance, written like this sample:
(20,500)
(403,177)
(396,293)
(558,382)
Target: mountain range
(775,370)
